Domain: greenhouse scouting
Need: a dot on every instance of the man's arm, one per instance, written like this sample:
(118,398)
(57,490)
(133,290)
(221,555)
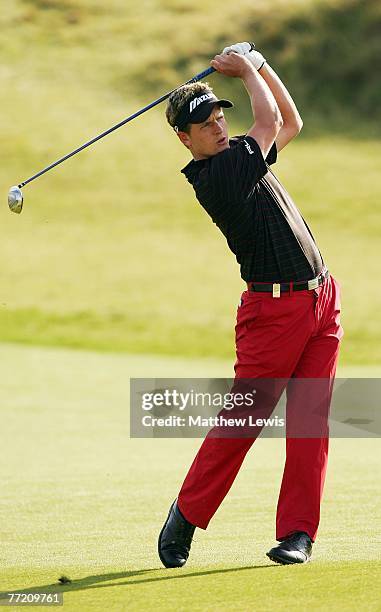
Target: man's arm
(292,121)
(268,119)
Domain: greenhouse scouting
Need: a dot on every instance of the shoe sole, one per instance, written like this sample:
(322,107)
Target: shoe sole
(159,541)
(282,561)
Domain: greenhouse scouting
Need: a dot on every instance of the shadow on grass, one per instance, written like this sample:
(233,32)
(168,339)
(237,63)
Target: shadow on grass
(90,582)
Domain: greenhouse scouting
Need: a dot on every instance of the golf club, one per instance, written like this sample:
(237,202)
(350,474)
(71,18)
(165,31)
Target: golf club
(15,195)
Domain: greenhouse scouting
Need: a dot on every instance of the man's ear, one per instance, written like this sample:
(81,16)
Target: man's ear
(185,138)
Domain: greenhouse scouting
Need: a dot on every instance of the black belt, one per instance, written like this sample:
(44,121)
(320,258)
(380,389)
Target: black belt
(277,288)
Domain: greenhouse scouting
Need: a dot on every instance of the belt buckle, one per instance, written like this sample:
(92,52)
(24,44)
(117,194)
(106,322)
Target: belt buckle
(276,290)
(313,283)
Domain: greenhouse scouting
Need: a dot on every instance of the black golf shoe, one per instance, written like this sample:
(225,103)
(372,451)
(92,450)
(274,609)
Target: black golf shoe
(296,548)
(175,539)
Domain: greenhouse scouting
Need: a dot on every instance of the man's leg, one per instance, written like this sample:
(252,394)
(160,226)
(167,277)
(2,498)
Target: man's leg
(306,457)
(210,477)
(271,334)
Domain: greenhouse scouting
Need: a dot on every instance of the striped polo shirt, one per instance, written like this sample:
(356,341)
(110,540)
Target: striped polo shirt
(262,225)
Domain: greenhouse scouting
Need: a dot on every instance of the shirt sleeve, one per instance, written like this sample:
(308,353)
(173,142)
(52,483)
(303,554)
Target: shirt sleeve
(235,171)
(272,155)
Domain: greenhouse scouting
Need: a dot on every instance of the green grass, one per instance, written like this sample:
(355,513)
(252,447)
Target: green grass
(127,260)
(80,498)
(112,252)
(328,50)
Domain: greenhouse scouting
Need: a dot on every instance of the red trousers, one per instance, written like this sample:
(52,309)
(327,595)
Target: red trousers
(294,336)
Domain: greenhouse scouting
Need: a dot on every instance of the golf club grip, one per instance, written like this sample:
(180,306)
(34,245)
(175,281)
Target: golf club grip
(197,77)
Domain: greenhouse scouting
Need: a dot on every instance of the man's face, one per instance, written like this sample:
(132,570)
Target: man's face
(209,137)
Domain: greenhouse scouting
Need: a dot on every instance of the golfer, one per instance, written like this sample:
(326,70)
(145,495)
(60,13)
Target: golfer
(288,320)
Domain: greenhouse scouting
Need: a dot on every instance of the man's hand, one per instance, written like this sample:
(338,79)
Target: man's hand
(248,50)
(232,64)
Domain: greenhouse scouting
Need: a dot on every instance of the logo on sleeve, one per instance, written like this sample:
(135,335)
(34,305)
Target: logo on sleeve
(248,147)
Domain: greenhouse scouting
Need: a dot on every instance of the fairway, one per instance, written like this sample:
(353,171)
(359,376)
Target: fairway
(80,498)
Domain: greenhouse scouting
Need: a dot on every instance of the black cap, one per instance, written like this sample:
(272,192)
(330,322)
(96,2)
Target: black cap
(198,109)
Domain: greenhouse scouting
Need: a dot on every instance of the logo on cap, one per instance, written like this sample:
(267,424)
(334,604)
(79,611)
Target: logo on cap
(196,101)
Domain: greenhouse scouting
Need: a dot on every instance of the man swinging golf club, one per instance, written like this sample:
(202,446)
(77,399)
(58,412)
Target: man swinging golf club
(288,322)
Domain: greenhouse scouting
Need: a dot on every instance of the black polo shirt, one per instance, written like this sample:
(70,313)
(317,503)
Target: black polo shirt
(261,223)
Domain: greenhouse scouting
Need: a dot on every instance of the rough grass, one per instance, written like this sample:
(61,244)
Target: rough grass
(328,51)
(111,251)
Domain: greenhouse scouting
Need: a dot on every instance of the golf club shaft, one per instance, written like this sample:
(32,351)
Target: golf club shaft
(198,77)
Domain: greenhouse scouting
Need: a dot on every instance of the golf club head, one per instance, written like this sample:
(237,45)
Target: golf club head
(15,199)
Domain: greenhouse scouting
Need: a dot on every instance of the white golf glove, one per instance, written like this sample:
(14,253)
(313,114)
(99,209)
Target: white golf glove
(248,49)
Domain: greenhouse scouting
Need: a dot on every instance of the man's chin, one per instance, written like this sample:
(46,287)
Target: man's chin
(218,147)
(224,144)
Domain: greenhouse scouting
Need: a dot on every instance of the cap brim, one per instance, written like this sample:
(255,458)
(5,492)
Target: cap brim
(203,111)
